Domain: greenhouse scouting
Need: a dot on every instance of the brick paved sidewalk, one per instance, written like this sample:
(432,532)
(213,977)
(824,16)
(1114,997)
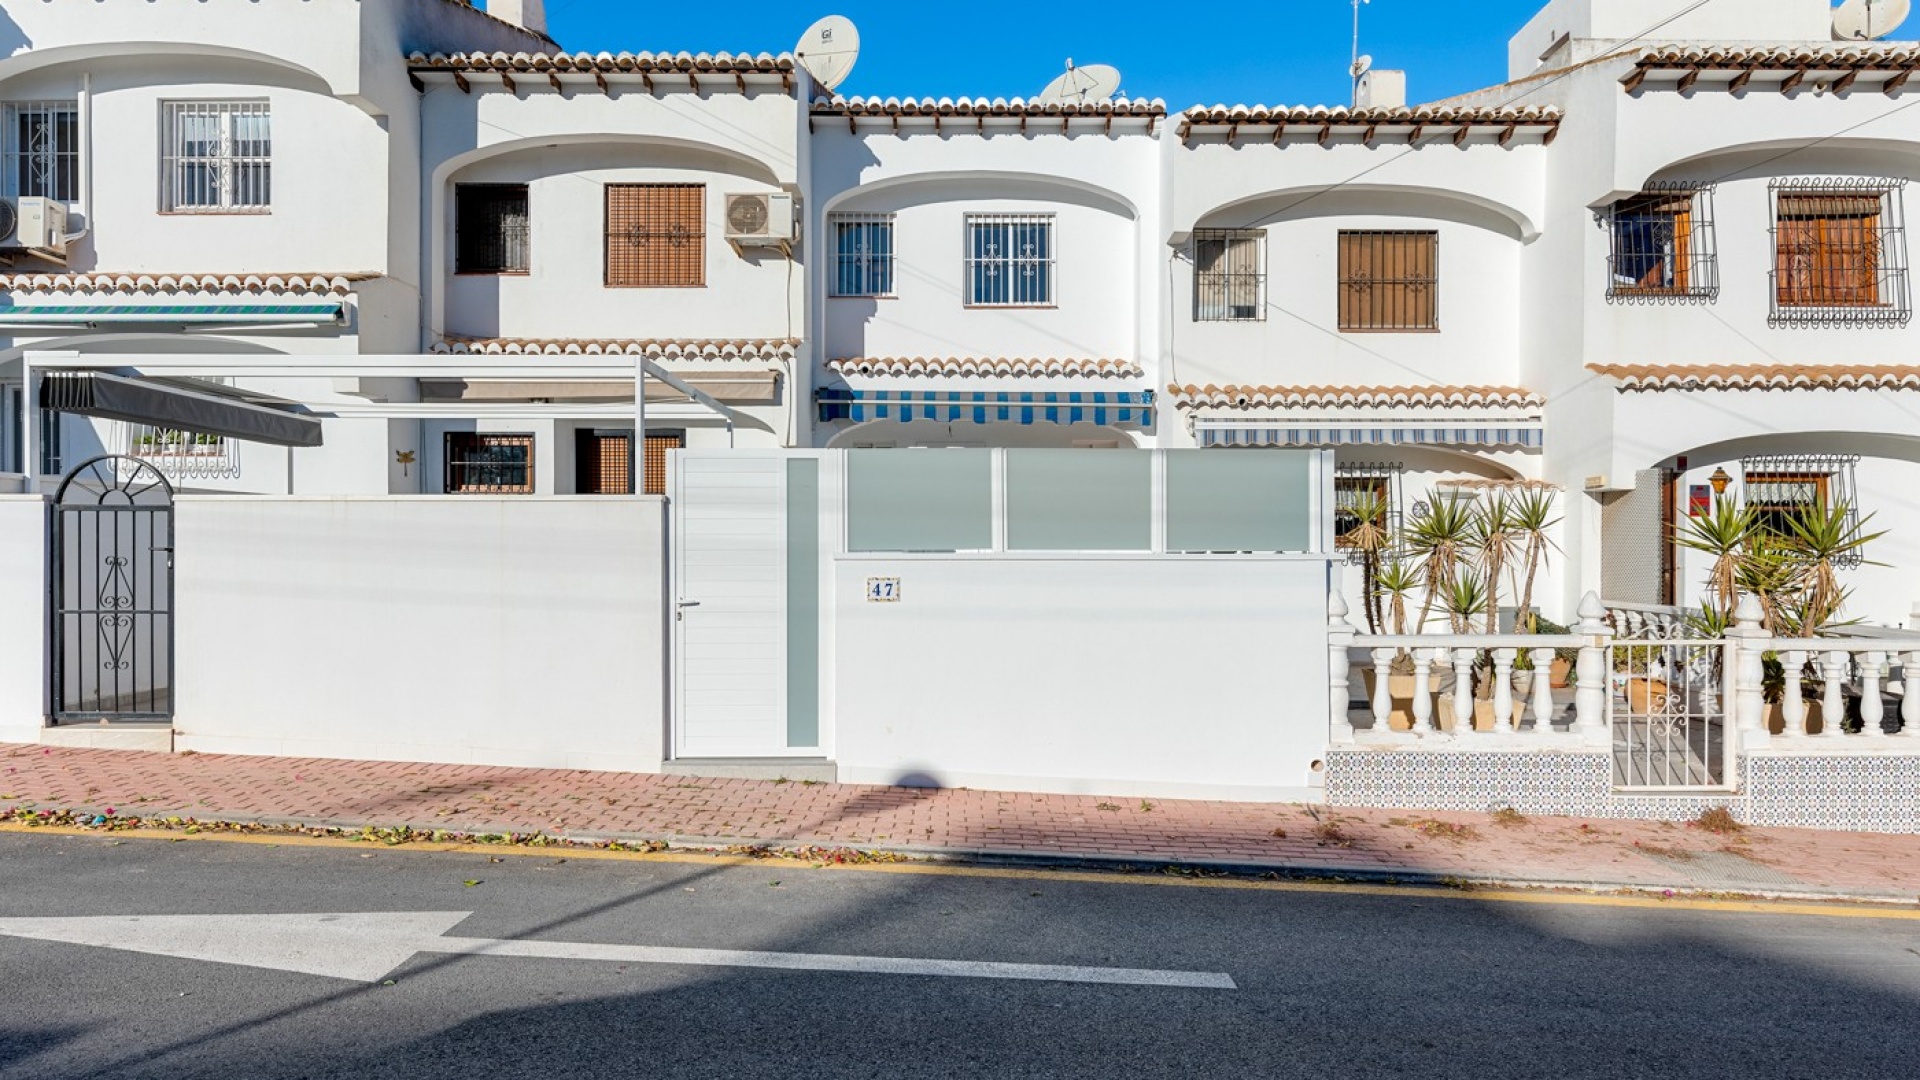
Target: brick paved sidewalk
(700,812)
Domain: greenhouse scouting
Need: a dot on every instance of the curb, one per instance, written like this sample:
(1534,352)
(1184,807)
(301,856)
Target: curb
(1112,863)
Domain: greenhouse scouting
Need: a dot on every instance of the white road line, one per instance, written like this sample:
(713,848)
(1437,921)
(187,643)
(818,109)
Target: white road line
(366,946)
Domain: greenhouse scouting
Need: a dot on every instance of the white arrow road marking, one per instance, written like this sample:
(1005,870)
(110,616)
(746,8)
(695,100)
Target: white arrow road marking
(365,946)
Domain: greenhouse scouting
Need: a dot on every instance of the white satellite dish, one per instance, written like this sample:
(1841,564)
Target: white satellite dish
(1079,85)
(1361,66)
(828,50)
(1869,20)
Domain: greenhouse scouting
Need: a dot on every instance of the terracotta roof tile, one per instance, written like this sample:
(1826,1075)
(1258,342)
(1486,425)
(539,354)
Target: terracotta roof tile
(1761,376)
(934,108)
(1321,397)
(1835,57)
(745,349)
(144,282)
(1019,368)
(648,63)
(1340,114)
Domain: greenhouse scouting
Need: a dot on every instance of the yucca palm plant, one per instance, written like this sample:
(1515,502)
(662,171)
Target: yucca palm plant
(1817,538)
(1395,583)
(1467,596)
(1725,532)
(1439,538)
(1532,510)
(1495,543)
(1370,536)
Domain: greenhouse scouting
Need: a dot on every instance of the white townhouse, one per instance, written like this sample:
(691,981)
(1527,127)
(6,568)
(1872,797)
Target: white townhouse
(211,183)
(986,272)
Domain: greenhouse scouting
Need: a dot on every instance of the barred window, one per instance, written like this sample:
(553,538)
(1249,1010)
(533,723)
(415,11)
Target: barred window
(1355,483)
(1009,260)
(42,149)
(656,236)
(1663,244)
(862,254)
(491,229)
(1389,280)
(1839,254)
(1780,487)
(216,157)
(480,464)
(1229,274)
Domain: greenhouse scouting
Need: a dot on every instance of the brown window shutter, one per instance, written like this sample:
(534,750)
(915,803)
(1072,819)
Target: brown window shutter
(656,236)
(1389,280)
(656,460)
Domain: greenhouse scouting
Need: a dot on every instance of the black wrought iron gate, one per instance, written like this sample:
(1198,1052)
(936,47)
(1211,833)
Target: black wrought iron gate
(112,584)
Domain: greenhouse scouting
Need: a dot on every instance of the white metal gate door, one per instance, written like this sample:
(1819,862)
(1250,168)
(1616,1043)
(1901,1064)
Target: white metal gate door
(730,626)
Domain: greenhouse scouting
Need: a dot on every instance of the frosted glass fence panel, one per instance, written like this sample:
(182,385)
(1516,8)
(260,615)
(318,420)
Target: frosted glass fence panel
(1079,500)
(919,500)
(1239,500)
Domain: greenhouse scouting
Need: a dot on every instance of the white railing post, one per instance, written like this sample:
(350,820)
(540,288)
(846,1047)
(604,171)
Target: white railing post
(1749,713)
(1503,718)
(1910,692)
(1794,719)
(1463,692)
(1422,689)
(1383,690)
(1590,687)
(1833,701)
(1872,709)
(1340,635)
(1542,691)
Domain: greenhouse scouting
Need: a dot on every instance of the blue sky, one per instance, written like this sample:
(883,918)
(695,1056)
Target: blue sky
(1284,52)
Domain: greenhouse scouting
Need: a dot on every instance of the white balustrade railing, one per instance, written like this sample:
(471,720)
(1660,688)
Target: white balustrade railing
(1859,689)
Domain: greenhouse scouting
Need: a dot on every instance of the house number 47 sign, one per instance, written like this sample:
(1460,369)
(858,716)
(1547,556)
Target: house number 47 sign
(883,590)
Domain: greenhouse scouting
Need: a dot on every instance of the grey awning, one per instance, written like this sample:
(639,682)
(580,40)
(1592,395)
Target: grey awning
(179,404)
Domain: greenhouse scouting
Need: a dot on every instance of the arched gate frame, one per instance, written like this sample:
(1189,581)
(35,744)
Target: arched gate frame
(112,593)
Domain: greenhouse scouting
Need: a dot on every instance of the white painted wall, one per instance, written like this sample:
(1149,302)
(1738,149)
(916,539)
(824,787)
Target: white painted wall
(1596,24)
(492,631)
(23,617)
(1129,677)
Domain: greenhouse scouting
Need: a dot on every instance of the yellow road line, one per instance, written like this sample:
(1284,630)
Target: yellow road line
(1681,902)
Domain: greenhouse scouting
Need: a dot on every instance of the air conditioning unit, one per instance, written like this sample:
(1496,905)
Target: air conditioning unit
(36,224)
(764,220)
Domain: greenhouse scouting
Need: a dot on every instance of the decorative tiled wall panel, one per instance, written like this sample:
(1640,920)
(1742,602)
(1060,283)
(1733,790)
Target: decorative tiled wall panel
(1872,793)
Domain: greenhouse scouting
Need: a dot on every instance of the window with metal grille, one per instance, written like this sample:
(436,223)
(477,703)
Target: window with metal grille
(1839,253)
(1389,280)
(1353,483)
(52,457)
(1781,487)
(42,149)
(491,229)
(1009,260)
(656,236)
(862,254)
(1663,245)
(479,464)
(1229,274)
(216,157)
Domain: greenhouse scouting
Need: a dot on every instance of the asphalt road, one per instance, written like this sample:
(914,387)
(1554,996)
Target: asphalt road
(1325,984)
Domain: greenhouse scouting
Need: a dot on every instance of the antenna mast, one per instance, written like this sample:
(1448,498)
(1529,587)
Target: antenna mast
(1354,68)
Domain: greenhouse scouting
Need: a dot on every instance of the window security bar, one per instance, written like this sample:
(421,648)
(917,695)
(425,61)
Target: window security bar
(1229,275)
(42,149)
(862,254)
(1840,253)
(1778,486)
(1662,245)
(216,157)
(1389,280)
(1009,260)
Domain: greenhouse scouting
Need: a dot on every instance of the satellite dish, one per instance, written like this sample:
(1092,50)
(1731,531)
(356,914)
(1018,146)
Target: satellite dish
(1079,85)
(1362,66)
(828,50)
(1869,20)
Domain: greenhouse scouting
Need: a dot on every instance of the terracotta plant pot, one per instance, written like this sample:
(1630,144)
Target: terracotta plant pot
(1482,714)
(1777,720)
(1560,673)
(1646,696)
(1400,689)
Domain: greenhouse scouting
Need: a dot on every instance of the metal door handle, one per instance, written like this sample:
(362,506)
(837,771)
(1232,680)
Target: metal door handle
(688,603)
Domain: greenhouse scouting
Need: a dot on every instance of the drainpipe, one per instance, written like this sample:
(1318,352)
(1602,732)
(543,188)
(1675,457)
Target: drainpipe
(86,155)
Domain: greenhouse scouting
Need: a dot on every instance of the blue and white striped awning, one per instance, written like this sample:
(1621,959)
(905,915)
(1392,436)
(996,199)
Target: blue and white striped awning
(1100,407)
(1490,434)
